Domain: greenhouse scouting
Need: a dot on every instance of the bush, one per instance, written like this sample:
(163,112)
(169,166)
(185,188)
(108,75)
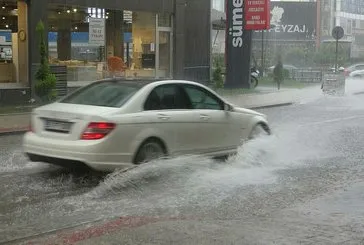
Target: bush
(217,77)
(45,86)
(286,74)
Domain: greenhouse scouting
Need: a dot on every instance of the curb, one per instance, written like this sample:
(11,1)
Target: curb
(17,131)
(15,114)
(271,106)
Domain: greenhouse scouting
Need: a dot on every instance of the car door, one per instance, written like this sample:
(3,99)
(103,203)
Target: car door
(169,115)
(218,130)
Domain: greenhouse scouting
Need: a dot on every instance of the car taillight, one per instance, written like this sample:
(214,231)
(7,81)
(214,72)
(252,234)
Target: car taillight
(97,130)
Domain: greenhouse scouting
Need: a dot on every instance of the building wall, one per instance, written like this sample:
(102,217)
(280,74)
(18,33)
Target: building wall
(197,39)
(191,36)
(348,14)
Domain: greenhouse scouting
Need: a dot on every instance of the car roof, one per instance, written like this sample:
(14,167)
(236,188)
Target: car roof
(144,82)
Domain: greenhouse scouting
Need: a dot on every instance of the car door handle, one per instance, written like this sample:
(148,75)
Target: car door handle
(204,117)
(163,116)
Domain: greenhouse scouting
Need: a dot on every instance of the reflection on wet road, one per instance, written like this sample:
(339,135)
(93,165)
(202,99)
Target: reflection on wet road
(300,186)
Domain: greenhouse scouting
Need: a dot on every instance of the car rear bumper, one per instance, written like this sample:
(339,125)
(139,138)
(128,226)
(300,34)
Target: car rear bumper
(92,154)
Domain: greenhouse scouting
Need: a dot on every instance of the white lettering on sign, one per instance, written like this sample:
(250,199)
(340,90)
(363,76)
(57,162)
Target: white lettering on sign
(237,24)
(256,10)
(290,28)
(256,2)
(97,31)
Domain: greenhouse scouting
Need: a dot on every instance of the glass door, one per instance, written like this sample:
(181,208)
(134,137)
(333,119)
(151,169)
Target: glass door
(164,51)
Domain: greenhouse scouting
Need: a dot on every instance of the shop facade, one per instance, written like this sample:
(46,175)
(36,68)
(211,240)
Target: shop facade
(93,39)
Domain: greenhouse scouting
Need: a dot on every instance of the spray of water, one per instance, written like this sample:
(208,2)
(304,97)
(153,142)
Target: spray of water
(200,179)
(14,161)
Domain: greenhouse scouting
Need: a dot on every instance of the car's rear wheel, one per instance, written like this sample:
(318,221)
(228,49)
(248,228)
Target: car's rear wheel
(148,151)
(259,130)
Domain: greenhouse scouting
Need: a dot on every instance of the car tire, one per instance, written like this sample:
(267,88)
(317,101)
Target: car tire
(150,150)
(259,130)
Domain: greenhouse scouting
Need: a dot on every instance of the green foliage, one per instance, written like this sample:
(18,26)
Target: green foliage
(326,54)
(45,88)
(217,78)
(218,60)
(286,74)
(45,81)
(299,56)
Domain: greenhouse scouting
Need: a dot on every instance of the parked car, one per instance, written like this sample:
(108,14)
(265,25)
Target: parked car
(357,74)
(115,124)
(353,68)
(289,68)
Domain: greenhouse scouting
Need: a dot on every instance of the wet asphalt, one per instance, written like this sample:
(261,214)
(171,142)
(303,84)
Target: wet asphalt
(303,185)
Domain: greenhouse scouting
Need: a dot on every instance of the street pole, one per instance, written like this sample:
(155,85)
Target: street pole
(336,58)
(262,61)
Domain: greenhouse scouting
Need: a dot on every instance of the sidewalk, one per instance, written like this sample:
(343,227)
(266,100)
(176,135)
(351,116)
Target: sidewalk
(19,123)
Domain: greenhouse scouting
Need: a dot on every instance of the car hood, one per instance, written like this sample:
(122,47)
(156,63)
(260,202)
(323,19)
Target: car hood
(248,111)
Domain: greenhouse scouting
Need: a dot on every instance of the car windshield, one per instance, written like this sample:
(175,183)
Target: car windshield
(106,93)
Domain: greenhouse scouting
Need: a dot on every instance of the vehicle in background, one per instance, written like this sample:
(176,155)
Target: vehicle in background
(340,69)
(357,74)
(353,68)
(113,124)
(254,73)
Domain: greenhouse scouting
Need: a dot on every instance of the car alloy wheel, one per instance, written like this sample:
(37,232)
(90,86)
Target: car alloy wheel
(149,151)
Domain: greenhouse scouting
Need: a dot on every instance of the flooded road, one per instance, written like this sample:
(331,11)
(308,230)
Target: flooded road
(300,186)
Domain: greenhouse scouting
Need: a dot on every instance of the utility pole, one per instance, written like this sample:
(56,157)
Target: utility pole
(262,58)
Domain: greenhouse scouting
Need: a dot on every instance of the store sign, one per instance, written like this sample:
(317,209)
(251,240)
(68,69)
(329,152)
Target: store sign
(234,42)
(97,31)
(292,21)
(257,14)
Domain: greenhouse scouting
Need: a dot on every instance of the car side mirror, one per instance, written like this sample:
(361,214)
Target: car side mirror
(228,107)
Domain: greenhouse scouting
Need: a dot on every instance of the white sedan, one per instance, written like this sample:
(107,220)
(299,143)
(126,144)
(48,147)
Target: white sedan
(357,74)
(113,124)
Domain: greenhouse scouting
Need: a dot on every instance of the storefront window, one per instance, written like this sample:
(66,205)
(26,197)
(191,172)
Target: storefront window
(144,45)
(13,42)
(96,43)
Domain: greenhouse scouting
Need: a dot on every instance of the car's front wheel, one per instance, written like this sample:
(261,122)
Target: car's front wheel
(259,130)
(148,151)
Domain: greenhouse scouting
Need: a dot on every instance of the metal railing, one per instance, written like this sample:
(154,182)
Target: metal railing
(199,74)
(307,75)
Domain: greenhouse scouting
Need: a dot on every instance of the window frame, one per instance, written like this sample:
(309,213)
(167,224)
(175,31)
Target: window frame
(213,96)
(175,85)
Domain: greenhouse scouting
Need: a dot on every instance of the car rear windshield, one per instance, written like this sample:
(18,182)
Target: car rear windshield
(106,93)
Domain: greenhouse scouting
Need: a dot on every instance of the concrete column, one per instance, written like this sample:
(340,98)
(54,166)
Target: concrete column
(64,37)
(179,39)
(114,34)
(23,45)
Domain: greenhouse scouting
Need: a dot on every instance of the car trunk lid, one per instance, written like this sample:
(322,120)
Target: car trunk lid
(67,121)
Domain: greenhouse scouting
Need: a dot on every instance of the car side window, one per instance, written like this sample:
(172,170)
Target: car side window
(167,97)
(203,99)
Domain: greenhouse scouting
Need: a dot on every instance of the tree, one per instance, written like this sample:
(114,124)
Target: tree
(45,86)
(325,55)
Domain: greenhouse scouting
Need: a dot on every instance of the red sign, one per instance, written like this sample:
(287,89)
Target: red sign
(257,14)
